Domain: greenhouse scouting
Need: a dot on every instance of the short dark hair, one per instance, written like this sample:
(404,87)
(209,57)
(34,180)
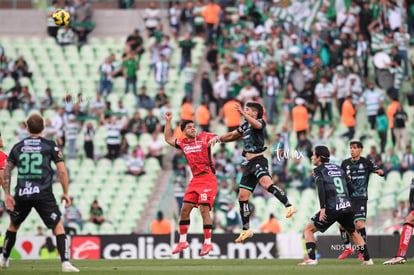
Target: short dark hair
(357,143)
(35,124)
(256,107)
(184,124)
(323,152)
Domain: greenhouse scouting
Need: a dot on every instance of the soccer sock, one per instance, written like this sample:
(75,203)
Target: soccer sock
(8,244)
(184,225)
(311,247)
(245,214)
(345,238)
(363,249)
(207,233)
(406,233)
(279,194)
(363,234)
(62,247)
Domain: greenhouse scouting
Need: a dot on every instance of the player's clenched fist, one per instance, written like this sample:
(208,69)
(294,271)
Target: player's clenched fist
(168,116)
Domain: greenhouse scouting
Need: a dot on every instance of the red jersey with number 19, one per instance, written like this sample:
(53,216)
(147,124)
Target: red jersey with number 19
(198,153)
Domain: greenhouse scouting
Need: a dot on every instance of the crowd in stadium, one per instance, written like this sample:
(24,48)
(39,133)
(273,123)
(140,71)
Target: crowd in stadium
(308,75)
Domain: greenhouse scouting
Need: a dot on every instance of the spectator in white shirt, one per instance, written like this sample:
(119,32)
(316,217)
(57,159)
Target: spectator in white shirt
(106,71)
(151,18)
(155,148)
(65,36)
(135,164)
(248,93)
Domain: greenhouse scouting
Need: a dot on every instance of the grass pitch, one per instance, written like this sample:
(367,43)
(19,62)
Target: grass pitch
(210,267)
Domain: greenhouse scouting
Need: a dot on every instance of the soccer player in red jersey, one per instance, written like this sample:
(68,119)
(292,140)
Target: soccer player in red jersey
(406,233)
(202,189)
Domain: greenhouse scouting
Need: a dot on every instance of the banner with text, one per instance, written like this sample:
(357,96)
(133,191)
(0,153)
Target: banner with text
(261,246)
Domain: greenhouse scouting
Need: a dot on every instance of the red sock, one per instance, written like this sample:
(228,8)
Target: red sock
(406,234)
(207,228)
(184,229)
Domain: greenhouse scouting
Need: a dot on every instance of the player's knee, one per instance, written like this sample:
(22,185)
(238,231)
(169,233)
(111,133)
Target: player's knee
(309,228)
(265,181)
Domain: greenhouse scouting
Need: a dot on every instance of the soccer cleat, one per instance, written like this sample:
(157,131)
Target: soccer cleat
(180,247)
(396,260)
(369,262)
(360,257)
(244,234)
(4,263)
(309,262)
(68,267)
(346,253)
(206,249)
(290,210)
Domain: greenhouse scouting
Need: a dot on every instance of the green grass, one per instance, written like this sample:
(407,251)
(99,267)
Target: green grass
(210,267)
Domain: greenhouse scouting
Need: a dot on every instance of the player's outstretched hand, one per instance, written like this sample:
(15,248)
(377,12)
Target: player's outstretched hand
(238,108)
(9,202)
(380,172)
(168,116)
(67,199)
(214,140)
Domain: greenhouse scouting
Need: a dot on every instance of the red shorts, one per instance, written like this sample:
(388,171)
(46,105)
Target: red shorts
(202,190)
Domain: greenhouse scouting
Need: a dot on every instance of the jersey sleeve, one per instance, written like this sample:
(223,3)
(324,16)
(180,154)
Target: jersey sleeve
(262,122)
(178,143)
(56,154)
(318,179)
(12,157)
(3,159)
(240,129)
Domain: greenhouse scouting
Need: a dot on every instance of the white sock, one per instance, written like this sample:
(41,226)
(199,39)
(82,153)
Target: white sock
(207,241)
(183,238)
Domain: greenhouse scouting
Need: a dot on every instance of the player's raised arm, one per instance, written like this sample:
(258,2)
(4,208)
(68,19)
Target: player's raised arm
(251,120)
(64,181)
(168,136)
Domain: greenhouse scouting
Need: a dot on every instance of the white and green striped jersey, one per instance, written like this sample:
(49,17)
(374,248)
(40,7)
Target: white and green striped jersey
(398,73)
(372,99)
(376,40)
(324,92)
(113,133)
(71,130)
(401,40)
(198,19)
(386,47)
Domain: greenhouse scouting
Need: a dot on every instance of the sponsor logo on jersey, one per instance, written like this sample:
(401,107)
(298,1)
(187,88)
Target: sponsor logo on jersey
(29,189)
(334,173)
(192,149)
(86,247)
(361,166)
(31,149)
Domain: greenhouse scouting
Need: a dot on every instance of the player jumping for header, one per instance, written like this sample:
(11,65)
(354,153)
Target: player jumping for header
(256,166)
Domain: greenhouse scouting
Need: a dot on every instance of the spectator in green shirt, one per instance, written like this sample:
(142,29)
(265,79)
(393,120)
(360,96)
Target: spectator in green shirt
(96,213)
(392,162)
(130,66)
